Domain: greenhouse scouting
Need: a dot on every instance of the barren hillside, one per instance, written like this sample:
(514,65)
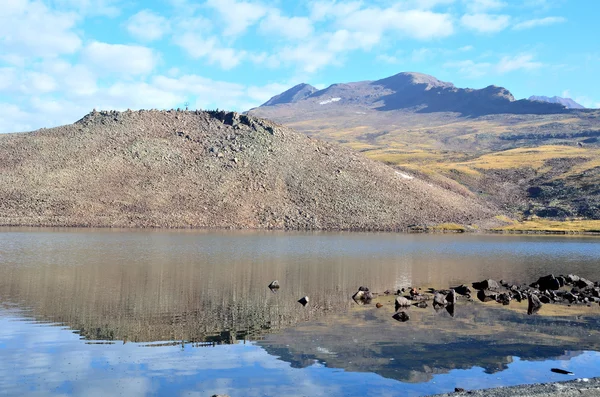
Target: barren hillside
(209,169)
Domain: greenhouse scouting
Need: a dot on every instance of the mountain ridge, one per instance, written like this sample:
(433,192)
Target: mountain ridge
(566,102)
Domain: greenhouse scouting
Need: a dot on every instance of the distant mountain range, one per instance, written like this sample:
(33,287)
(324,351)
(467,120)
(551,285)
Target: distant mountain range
(415,92)
(566,102)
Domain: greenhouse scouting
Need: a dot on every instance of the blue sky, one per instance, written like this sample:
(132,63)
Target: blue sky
(59,59)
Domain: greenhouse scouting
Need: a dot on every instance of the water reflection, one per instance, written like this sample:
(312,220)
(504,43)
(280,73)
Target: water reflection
(177,290)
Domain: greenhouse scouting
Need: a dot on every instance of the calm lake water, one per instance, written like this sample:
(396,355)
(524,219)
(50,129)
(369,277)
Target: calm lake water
(110,312)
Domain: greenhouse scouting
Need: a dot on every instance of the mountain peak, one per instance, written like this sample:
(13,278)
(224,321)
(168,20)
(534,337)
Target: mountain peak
(294,94)
(566,102)
(405,79)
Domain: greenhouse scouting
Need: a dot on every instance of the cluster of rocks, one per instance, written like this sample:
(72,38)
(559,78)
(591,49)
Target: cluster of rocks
(570,289)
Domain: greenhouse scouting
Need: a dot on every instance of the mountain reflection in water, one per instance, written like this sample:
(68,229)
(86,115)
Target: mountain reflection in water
(189,289)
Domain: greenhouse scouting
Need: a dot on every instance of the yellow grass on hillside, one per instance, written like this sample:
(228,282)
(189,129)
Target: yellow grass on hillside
(550,226)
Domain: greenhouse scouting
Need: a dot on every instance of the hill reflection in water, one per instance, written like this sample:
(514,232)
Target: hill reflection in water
(183,288)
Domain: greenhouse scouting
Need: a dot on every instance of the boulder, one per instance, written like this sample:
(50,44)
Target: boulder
(545,299)
(487,296)
(584,283)
(504,299)
(401,316)
(534,304)
(548,282)
(486,284)
(451,297)
(462,290)
(439,300)
(303,301)
(572,279)
(365,289)
(274,285)
(570,297)
(378,305)
(402,302)
(450,310)
(362,297)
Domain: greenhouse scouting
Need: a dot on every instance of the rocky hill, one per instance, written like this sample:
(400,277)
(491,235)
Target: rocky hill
(209,169)
(566,102)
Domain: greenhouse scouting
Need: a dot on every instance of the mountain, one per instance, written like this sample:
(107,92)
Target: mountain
(566,102)
(292,95)
(415,91)
(531,158)
(209,169)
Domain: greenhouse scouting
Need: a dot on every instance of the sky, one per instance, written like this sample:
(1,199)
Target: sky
(59,59)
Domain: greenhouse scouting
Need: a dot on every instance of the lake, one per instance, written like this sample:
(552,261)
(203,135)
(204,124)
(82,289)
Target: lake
(138,312)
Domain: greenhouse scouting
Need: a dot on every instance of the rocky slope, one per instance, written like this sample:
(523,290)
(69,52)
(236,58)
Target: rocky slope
(209,169)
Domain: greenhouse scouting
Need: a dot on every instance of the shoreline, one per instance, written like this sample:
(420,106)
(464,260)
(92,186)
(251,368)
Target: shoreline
(583,387)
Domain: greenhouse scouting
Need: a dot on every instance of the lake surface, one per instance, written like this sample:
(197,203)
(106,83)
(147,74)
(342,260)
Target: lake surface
(87,312)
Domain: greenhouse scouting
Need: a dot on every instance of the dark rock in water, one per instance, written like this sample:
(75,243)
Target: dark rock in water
(450,310)
(303,301)
(561,371)
(365,289)
(451,297)
(387,292)
(504,299)
(439,300)
(362,297)
(584,283)
(486,296)
(534,304)
(421,305)
(517,295)
(545,299)
(378,305)
(419,297)
(548,282)
(462,290)
(458,390)
(401,316)
(486,284)
(570,297)
(572,279)
(274,285)
(402,302)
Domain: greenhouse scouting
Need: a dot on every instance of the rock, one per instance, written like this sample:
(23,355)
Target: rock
(548,282)
(401,316)
(362,297)
(378,305)
(545,299)
(414,292)
(458,390)
(487,296)
(402,302)
(451,297)
(462,290)
(584,283)
(387,292)
(517,295)
(504,299)
(365,289)
(439,300)
(561,281)
(450,310)
(274,284)
(572,279)
(486,284)
(304,300)
(570,297)
(534,304)
(561,371)
(421,305)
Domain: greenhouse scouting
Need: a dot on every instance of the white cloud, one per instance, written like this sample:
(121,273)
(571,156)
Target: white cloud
(292,28)
(485,23)
(31,29)
(107,8)
(147,26)
(519,62)
(532,23)
(466,48)
(198,47)
(479,6)
(422,54)
(238,16)
(470,68)
(389,59)
(506,64)
(119,58)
